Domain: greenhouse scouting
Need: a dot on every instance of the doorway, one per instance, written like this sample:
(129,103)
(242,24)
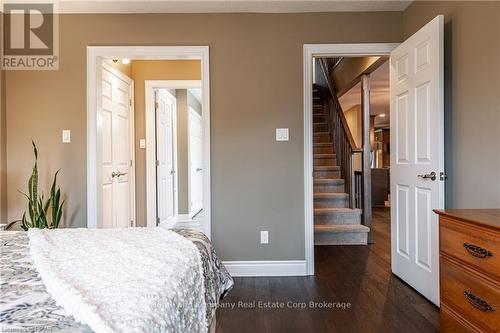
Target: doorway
(417,141)
(146,216)
(174,132)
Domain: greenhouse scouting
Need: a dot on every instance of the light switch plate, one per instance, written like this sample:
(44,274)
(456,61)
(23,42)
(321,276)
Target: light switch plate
(142,143)
(66,136)
(264,237)
(282,134)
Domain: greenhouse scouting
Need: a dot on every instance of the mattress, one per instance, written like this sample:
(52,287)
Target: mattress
(27,306)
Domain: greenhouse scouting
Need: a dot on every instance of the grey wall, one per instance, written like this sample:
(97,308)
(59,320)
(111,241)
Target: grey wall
(472,97)
(184,100)
(182,150)
(255,86)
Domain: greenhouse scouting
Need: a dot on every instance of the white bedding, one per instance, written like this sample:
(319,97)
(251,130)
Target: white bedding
(123,280)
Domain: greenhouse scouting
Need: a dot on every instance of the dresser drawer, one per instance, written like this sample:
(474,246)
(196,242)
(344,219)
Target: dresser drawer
(477,247)
(453,323)
(476,299)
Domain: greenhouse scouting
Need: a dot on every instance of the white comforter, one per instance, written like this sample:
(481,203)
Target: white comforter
(123,280)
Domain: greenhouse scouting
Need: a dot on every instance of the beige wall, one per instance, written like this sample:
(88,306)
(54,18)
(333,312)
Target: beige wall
(349,70)
(3,160)
(354,121)
(182,151)
(184,100)
(256,85)
(472,97)
(153,70)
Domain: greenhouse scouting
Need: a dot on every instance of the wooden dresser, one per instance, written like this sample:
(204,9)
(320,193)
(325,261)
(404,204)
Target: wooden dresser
(469,245)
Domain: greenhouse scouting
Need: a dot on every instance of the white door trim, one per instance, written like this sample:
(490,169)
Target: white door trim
(319,50)
(95,56)
(150,85)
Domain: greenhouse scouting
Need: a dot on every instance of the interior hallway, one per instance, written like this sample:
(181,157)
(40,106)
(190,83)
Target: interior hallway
(360,275)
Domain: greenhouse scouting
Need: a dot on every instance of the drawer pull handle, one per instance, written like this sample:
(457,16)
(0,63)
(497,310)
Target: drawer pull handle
(477,302)
(477,251)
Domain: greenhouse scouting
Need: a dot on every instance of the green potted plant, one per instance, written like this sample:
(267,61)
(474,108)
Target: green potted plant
(42,213)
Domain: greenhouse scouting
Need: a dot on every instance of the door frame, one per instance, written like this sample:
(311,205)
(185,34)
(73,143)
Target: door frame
(95,57)
(150,86)
(323,50)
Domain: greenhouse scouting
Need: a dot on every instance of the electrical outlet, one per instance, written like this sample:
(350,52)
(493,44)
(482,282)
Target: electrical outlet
(264,237)
(142,143)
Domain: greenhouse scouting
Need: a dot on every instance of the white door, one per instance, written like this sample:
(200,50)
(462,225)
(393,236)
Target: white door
(195,146)
(417,157)
(118,199)
(165,170)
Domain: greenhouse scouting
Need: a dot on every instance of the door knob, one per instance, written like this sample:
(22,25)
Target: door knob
(117,174)
(431,176)
(199,169)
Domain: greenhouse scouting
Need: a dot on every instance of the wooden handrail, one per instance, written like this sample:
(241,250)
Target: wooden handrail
(338,108)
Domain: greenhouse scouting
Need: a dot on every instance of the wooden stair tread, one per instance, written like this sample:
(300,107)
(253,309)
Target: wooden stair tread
(322,144)
(331,195)
(326,168)
(324,155)
(336,181)
(341,228)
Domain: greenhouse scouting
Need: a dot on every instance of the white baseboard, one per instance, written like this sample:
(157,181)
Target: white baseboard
(267,268)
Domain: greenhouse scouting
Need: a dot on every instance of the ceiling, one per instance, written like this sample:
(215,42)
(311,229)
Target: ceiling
(379,95)
(227,6)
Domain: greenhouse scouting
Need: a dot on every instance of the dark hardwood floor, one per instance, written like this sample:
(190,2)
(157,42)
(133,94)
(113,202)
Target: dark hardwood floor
(359,276)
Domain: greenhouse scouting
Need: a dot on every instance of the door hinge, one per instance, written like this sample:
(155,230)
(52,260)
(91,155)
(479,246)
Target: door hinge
(157,162)
(130,101)
(130,162)
(443,176)
(157,221)
(156,106)
(131,223)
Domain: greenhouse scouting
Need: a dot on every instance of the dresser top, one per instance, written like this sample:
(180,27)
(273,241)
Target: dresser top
(486,217)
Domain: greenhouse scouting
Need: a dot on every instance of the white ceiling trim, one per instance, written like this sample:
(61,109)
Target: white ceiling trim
(223,6)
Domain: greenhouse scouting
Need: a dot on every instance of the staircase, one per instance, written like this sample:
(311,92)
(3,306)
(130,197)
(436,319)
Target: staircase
(334,222)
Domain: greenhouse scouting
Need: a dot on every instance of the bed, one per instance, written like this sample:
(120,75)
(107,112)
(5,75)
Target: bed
(30,301)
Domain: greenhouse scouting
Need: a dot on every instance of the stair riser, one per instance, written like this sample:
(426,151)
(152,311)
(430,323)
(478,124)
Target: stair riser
(331,202)
(325,162)
(345,238)
(323,150)
(337,218)
(321,138)
(320,127)
(329,188)
(326,174)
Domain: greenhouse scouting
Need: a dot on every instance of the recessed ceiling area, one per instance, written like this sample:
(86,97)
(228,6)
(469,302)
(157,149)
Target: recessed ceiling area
(227,6)
(379,96)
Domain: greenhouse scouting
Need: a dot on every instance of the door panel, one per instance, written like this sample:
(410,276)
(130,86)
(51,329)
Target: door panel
(166,104)
(417,133)
(117,191)
(195,146)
